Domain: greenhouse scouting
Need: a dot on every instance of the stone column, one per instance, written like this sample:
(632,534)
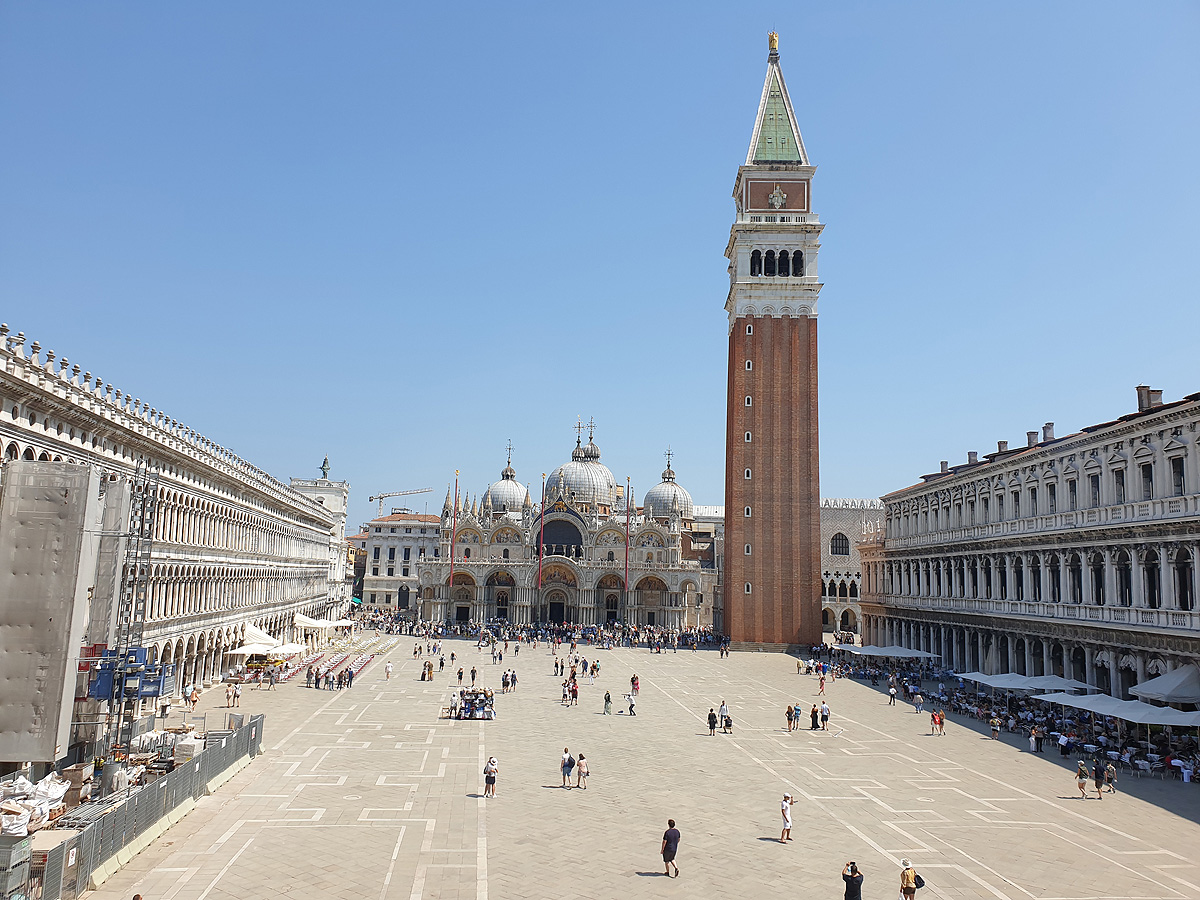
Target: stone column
(1166,578)
(1085,574)
(1047,660)
(1012,654)
(1089,666)
(1110,578)
(1137,591)
(1140,658)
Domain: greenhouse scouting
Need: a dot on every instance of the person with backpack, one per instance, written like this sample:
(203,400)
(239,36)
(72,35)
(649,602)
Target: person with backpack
(568,766)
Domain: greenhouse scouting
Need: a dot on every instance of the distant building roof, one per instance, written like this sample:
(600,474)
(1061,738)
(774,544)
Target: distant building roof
(408,517)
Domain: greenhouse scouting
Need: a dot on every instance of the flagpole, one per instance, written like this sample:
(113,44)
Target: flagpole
(628,507)
(453,538)
(541,533)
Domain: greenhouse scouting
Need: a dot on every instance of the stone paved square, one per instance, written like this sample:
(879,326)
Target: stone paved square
(366,793)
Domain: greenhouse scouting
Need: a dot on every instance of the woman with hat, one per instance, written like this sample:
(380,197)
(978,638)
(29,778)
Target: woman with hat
(489,777)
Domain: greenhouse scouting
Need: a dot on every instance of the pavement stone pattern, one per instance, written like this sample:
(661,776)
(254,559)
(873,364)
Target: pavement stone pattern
(365,793)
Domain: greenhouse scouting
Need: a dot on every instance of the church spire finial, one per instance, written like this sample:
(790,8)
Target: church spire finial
(509,449)
(773,42)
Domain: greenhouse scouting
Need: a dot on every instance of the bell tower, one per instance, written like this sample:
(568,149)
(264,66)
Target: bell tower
(772,491)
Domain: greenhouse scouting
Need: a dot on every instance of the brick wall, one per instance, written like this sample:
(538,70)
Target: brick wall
(784,489)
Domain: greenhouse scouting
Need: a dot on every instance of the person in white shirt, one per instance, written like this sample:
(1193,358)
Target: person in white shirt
(785,807)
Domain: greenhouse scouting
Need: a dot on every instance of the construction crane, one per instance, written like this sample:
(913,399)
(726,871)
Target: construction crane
(382,497)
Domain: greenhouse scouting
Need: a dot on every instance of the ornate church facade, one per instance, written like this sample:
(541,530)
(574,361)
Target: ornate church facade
(584,554)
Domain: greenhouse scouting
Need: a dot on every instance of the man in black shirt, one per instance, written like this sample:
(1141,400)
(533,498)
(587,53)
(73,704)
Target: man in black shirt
(853,880)
(670,844)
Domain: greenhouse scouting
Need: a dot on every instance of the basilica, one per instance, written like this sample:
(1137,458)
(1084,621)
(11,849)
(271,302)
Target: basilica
(584,554)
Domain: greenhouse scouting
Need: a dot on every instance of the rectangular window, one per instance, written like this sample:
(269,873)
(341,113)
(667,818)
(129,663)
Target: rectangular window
(391,553)
(391,572)
(1147,481)
(374,570)
(1051,498)
(408,531)
(404,571)
(1177,484)
(391,531)
(986,511)
(1094,489)
(420,552)
(387,598)
(437,552)
(971,512)
(376,554)
(378,530)
(373,600)
(1033,501)
(422,531)
(1072,495)
(407,553)
(1119,486)
(1016,504)
(999,507)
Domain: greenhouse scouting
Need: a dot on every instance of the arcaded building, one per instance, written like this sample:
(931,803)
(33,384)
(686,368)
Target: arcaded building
(1073,556)
(844,522)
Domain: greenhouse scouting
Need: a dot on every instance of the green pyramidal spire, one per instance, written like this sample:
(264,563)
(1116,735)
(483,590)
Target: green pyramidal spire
(776,132)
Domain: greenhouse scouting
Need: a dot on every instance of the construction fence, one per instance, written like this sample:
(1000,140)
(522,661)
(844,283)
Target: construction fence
(109,836)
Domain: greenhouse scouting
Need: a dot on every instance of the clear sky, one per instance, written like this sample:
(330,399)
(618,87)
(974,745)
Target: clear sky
(403,234)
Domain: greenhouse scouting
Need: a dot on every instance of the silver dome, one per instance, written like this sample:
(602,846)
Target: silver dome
(585,478)
(664,494)
(507,494)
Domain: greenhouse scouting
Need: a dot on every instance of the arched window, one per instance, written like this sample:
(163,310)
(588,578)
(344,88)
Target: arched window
(769,263)
(755,263)
(466,553)
(611,556)
(747,550)
(749,328)
(747,589)
(783,263)
(854,590)
(748,437)
(797,263)
(749,365)
(842,591)
(748,474)
(746,513)
(749,402)
(839,545)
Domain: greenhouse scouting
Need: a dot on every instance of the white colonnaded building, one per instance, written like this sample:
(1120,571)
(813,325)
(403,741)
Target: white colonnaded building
(232,546)
(1073,556)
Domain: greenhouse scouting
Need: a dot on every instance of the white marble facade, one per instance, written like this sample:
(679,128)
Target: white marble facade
(1073,556)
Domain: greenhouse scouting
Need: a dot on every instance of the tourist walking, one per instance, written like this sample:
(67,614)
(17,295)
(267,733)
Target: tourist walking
(237,695)
(994,722)
(892,695)
(785,807)
(490,769)
(1081,778)
(824,716)
(723,712)
(607,703)
(854,880)
(1098,778)
(814,716)
(581,772)
(941,722)
(228,695)
(387,671)
(1110,778)
(670,846)
(909,880)
(568,766)
(473,674)
(919,703)
(790,718)
(712,722)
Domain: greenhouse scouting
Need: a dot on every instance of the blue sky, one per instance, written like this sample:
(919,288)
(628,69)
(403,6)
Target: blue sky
(402,234)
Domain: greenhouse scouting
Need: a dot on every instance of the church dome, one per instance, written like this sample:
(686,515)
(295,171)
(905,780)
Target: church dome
(665,494)
(586,479)
(507,494)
